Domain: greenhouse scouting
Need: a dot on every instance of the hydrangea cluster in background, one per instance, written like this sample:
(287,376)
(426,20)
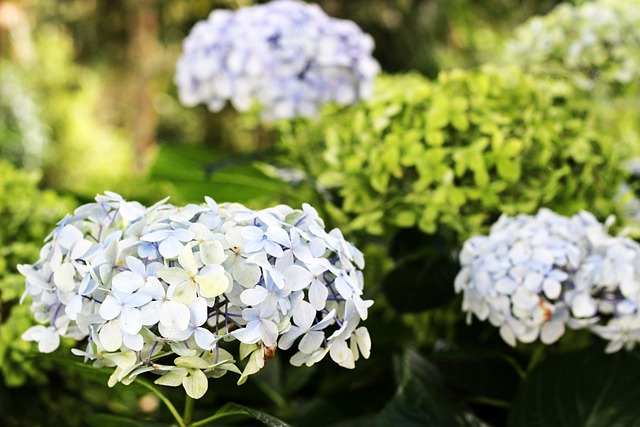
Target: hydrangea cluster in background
(596,43)
(141,284)
(533,276)
(288,56)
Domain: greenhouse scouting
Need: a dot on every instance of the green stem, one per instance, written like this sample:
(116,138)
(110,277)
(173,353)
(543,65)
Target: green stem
(188,410)
(216,417)
(165,400)
(489,401)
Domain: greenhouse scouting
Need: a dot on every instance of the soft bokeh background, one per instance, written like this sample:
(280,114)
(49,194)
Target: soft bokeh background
(87,104)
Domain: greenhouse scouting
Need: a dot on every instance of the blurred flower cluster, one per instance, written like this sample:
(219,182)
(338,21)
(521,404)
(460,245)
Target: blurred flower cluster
(141,284)
(596,43)
(288,56)
(533,276)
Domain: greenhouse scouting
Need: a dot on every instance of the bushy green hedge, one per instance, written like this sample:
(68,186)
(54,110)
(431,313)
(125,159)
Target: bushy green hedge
(459,151)
(27,214)
(596,44)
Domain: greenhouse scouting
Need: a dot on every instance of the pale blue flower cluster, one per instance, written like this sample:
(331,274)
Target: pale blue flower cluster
(142,284)
(533,276)
(287,56)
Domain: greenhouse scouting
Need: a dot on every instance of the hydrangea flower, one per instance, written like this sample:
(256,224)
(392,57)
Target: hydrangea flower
(533,276)
(595,42)
(162,289)
(286,55)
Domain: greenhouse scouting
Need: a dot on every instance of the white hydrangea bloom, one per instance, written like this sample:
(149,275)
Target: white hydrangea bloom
(140,284)
(596,42)
(517,277)
(286,55)
(534,276)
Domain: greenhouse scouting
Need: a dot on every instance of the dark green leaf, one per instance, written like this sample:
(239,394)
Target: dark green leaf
(585,388)
(233,409)
(109,420)
(421,400)
(186,167)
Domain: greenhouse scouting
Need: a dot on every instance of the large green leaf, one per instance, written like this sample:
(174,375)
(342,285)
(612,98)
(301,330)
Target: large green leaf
(187,167)
(233,409)
(583,389)
(421,399)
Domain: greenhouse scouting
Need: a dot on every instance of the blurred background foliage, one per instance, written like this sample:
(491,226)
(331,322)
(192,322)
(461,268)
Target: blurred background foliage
(87,104)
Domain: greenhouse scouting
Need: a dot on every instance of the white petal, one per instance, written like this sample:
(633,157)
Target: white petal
(297,277)
(111,336)
(133,342)
(269,333)
(551,332)
(246,274)
(318,294)
(198,311)
(136,266)
(254,296)
(49,342)
(341,354)
(583,306)
(304,314)
(187,261)
(213,281)
(204,338)
(278,235)
(174,275)
(364,341)
(130,320)
(110,308)
(170,247)
(127,282)
(287,339)
(156,236)
(311,341)
(212,253)
(551,288)
(63,277)
(175,315)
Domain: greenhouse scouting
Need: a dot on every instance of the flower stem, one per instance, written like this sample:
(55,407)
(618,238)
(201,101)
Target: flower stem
(165,400)
(188,410)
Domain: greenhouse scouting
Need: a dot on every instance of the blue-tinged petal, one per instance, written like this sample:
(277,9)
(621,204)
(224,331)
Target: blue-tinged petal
(288,338)
(170,247)
(250,334)
(137,299)
(204,338)
(268,333)
(182,234)
(136,266)
(297,277)
(304,315)
(156,236)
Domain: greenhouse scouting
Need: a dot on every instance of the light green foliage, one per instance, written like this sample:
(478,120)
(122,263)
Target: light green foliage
(459,151)
(597,44)
(26,215)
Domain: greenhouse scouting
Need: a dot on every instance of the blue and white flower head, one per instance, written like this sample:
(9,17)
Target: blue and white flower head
(517,277)
(142,284)
(287,56)
(595,43)
(608,287)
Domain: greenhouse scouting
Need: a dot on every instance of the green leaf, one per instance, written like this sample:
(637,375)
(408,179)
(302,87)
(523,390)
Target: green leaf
(233,409)
(421,400)
(584,388)
(109,420)
(185,167)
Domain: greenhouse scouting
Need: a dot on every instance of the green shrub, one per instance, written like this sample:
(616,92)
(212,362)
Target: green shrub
(26,215)
(459,151)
